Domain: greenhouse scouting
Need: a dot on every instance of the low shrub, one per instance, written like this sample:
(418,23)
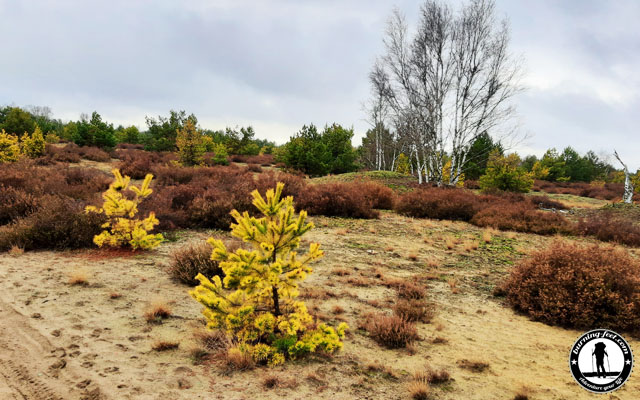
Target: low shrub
(521,217)
(66,154)
(254,168)
(190,261)
(578,287)
(546,202)
(60,223)
(439,203)
(94,154)
(608,226)
(391,331)
(380,196)
(15,203)
(413,310)
(138,167)
(336,199)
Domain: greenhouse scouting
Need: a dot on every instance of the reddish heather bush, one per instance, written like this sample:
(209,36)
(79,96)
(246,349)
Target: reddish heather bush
(546,202)
(578,287)
(336,199)
(254,168)
(439,203)
(380,196)
(94,154)
(608,226)
(69,153)
(60,223)
(136,167)
(609,191)
(15,203)
(294,185)
(262,159)
(471,184)
(521,217)
(129,146)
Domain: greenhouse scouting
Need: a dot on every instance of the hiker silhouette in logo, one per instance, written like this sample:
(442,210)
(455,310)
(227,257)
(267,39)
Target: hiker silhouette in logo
(599,351)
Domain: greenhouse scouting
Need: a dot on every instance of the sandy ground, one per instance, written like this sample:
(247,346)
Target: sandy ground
(63,341)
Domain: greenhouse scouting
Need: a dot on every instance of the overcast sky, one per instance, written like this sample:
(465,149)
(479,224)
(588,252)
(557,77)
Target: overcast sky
(278,64)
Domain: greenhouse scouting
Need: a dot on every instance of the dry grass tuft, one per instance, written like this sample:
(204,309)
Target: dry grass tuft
(341,272)
(156,312)
(391,331)
(236,360)
(440,340)
(337,309)
(486,236)
(419,390)
(16,251)
(164,345)
(453,284)
(450,242)
(474,366)
(410,290)
(114,295)
(212,340)
(413,257)
(272,381)
(389,248)
(470,246)
(79,278)
(358,281)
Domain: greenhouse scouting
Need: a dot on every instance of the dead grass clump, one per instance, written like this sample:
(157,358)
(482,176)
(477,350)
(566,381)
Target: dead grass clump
(187,262)
(578,287)
(413,257)
(391,331)
(212,340)
(450,243)
(413,310)
(114,295)
(79,278)
(164,345)
(470,246)
(419,390)
(273,381)
(236,360)
(16,251)
(341,272)
(439,340)
(337,309)
(358,281)
(453,285)
(157,312)
(486,236)
(473,366)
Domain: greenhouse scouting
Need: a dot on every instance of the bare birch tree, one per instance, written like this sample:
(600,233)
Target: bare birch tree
(628,185)
(448,84)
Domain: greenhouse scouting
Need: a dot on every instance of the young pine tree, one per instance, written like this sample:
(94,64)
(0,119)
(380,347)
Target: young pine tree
(256,302)
(190,143)
(9,148)
(122,227)
(33,146)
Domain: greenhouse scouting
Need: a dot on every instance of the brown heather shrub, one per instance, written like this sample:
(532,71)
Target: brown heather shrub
(60,223)
(138,167)
(254,168)
(410,290)
(15,203)
(439,203)
(608,226)
(129,146)
(391,331)
(236,360)
(473,366)
(94,154)
(69,153)
(336,199)
(187,262)
(546,202)
(212,340)
(380,196)
(413,310)
(608,191)
(578,287)
(521,217)
(262,159)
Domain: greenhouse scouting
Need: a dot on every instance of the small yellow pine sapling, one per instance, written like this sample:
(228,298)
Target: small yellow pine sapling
(256,303)
(123,229)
